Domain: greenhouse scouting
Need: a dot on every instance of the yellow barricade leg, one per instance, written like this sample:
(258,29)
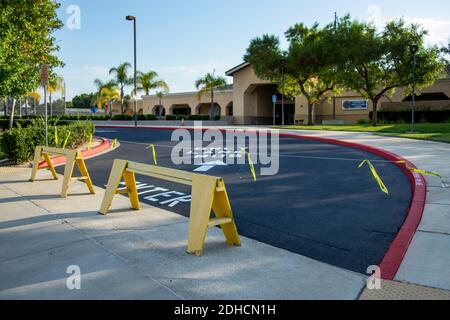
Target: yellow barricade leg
(115,177)
(222,209)
(37,159)
(130,182)
(209,193)
(51,167)
(203,189)
(84,172)
(68,172)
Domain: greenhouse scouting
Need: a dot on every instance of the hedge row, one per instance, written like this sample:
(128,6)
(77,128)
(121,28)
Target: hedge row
(63,117)
(151,117)
(25,120)
(25,123)
(193,117)
(19,143)
(440,116)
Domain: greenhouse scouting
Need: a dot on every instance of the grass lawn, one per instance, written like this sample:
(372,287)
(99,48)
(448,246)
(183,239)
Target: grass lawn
(425,131)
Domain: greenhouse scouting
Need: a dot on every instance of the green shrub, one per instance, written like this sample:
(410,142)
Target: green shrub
(123,117)
(182,117)
(151,117)
(363,122)
(217,118)
(171,117)
(20,143)
(194,117)
(405,116)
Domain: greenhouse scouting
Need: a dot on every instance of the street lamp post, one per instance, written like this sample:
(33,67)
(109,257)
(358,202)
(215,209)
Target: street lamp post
(413,48)
(132,18)
(283,63)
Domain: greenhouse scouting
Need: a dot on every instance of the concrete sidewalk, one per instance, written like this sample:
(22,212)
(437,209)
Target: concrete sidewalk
(138,255)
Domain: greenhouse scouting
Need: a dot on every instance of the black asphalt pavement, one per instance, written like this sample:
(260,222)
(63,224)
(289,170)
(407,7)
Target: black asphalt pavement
(319,205)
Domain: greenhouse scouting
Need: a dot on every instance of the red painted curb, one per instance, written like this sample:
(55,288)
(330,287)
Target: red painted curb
(394,256)
(86,153)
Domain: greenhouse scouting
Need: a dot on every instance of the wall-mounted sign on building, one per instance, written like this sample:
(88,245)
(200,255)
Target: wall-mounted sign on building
(355,105)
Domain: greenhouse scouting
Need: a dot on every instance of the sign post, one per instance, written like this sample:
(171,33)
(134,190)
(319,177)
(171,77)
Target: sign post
(274,101)
(44,82)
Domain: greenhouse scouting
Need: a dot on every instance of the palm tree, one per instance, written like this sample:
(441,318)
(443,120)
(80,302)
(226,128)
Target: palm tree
(206,85)
(122,79)
(160,95)
(54,85)
(36,99)
(104,91)
(149,81)
(107,96)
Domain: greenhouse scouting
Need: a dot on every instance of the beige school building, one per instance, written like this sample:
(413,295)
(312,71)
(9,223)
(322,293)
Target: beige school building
(250,100)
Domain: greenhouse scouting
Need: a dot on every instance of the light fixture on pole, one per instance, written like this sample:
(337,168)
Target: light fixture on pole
(132,18)
(413,49)
(283,63)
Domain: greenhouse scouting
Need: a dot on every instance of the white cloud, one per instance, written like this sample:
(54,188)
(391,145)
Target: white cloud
(438,30)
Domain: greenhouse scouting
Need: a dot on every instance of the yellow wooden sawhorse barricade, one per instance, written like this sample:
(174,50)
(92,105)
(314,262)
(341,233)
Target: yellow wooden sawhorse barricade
(208,193)
(72,157)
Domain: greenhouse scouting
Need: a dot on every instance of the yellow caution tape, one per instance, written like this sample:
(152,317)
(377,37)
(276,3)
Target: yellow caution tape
(375,175)
(424,172)
(252,167)
(56,136)
(66,140)
(154,153)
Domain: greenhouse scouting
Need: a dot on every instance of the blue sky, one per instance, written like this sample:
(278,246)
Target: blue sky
(184,39)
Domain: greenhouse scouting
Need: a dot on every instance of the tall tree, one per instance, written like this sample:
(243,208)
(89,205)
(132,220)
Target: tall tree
(26,33)
(160,95)
(207,85)
(308,62)
(84,101)
(105,89)
(35,99)
(107,96)
(148,81)
(122,80)
(55,84)
(376,63)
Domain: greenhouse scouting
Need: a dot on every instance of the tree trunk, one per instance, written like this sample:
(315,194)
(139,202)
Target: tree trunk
(5,108)
(110,109)
(20,107)
(51,105)
(160,108)
(310,114)
(375,112)
(12,110)
(121,100)
(212,109)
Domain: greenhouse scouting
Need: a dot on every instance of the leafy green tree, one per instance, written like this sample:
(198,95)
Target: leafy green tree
(148,81)
(376,63)
(26,33)
(207,85)
(309,62)
(122,80)
(83,101)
